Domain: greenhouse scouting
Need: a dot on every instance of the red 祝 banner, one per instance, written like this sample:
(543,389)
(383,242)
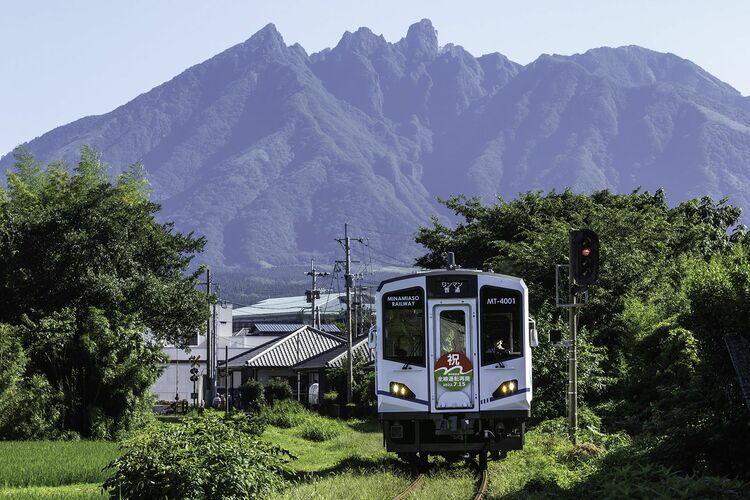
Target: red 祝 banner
(454,371)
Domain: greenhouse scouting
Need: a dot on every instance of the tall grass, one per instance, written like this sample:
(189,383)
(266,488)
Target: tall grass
(317,428)
(286,413)
(54,463)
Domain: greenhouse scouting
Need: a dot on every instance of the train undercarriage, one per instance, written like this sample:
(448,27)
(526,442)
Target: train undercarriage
(415,435)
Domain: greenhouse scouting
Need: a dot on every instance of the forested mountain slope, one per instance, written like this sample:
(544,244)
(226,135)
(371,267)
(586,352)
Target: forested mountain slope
(267,150)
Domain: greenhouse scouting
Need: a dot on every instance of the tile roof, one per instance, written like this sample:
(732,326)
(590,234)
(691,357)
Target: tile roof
(361,351)
(290,349)
(337,355)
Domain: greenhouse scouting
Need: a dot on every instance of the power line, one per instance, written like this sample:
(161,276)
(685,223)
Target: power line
(378,231)
(381,252)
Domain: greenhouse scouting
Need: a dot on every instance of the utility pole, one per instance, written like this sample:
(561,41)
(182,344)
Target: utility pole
(214,354)
(349,279)
(314,293)
(226,379)
(209,344)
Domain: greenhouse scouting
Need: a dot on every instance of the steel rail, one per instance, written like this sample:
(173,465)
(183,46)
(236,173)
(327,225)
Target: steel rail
(482,485)
(412,487)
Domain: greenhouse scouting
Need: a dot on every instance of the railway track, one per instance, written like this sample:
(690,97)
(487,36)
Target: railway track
(412,487)
(481,493)
(482,484)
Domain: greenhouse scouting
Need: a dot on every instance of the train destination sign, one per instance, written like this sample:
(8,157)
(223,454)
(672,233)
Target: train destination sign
(454,371)
(451,286)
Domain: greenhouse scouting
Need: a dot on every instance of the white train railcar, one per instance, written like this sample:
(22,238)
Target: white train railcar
(453,363)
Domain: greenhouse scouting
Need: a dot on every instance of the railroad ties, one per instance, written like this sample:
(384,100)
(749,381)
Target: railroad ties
(481,493)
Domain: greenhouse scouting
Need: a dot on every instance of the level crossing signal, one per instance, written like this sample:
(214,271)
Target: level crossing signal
(584,257)
(194,368)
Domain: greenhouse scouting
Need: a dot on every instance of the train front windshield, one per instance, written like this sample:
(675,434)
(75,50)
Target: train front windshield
(403,327)
(501,324)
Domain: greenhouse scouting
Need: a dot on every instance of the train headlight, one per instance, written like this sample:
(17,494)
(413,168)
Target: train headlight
(401,391)
(507,388)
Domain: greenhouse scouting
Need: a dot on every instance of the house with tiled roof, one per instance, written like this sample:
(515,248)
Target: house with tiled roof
(278,358)
(314,369)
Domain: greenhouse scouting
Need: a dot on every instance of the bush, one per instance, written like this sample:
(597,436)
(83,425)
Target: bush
(364,390)
(252,395)
(204,457)
(331,397)
(277,390)
(320,429)
(286,413)
(633,480)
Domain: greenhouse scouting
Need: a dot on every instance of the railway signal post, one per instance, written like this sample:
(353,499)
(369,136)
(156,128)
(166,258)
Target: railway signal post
(583,271)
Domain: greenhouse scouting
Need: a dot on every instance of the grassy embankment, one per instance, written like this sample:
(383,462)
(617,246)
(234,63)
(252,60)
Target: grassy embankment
(347,460)
(54,469)
(353,464)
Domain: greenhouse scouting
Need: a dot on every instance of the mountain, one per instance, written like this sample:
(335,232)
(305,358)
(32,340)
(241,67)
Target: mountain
(267,150)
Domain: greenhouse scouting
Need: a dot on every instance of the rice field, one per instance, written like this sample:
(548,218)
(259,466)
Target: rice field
(54,469)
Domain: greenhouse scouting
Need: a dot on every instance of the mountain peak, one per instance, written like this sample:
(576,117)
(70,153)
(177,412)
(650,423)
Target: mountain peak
(268,36)
(363,40)
(634,65)
(251,145)
(421,40)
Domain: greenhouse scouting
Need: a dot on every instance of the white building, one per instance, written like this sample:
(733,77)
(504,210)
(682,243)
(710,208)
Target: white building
(254,327)
(175,379)
(330,305)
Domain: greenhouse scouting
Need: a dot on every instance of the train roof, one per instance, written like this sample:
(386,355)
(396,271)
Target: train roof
(450,272)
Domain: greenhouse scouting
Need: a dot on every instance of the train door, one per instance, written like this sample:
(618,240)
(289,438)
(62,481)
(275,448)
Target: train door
(453,356)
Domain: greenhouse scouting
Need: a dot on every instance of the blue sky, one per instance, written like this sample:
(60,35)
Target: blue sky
(60,61)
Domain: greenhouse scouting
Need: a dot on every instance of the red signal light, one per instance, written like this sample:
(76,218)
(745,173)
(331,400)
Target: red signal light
(586,252)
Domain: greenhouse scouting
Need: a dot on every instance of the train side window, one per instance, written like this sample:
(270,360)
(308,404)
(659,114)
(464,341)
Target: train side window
(404,326)
(501,324)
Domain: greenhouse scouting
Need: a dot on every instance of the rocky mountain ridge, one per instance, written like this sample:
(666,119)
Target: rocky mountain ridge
(267,150)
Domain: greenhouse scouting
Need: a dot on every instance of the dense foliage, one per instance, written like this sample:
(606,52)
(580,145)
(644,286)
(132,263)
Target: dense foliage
(363,388)
(278,389)
(202,457)
(86,271)
(252,395)
(674,281)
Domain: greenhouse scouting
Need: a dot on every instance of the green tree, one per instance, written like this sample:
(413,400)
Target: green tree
(29,407)
(683,378)
(673,282)
(641,240)
(94,284)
